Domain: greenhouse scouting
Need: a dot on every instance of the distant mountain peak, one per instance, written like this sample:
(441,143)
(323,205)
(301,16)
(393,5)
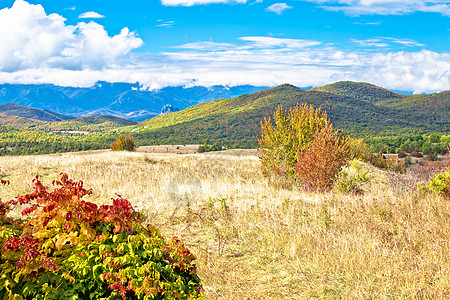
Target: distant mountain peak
(169,109)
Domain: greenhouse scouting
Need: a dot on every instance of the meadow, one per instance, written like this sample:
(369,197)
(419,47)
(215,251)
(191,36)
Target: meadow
(254,240)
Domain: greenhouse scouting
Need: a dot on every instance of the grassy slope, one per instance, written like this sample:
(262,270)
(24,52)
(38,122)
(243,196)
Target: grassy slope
(255,241)
(238,119)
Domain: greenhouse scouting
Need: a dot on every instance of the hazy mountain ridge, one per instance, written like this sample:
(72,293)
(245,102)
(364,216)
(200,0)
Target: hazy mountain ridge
(123,100)
(27,118)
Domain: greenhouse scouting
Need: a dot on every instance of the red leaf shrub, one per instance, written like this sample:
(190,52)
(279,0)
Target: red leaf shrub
(318,166)
(69,248)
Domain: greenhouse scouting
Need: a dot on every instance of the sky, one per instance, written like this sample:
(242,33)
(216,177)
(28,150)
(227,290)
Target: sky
(401,45)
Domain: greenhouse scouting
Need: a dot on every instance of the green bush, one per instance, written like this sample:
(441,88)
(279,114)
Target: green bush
(209,147)
(284,137)
(440,184)
(68,248)
(123,143)
(350,180)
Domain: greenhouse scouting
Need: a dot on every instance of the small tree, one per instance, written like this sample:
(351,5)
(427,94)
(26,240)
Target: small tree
(123,143)
(284,137)
(318,166)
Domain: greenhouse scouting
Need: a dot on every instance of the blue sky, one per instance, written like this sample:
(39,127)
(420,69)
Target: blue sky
(397,44)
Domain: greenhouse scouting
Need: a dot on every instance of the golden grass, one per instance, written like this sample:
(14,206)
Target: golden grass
(254,241)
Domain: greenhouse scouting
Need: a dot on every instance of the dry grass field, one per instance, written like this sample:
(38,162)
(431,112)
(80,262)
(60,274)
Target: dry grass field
(255,241)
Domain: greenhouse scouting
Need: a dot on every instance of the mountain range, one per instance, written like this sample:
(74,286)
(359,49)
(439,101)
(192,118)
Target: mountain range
(361,109)
(124,100)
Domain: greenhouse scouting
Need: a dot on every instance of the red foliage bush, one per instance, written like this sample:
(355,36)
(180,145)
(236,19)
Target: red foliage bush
(68,248)
(318,166)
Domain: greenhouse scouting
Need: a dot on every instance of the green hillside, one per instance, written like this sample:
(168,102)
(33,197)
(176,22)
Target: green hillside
(20,122)
(90,123)
(431,108)
(359,90)
(236,122)
(11,109)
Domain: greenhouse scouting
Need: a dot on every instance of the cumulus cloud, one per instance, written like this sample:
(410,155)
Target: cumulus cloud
(29,38)
(198,2)
(420,71)
(39,48)
(90,15)
(208,64)
(385,7)
(278,8)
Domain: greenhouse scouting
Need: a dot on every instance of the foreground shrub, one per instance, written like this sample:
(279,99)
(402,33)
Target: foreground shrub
(72,249)
(284,137)
(318,166)
(440,184)
(351,179)
(123,143)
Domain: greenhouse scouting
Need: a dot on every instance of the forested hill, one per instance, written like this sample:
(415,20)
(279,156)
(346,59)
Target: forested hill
(89,123)
(236,121)
(11,109)
(434,108)
(359,90)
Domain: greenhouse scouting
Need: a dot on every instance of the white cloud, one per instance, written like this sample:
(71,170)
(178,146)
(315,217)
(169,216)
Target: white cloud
(278,8)
(199,2)
(29,38)
(387,42)
(162,23)
(40,48)
(385,7)
(207,46)
(270,42)
(367,23)
(90,15)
